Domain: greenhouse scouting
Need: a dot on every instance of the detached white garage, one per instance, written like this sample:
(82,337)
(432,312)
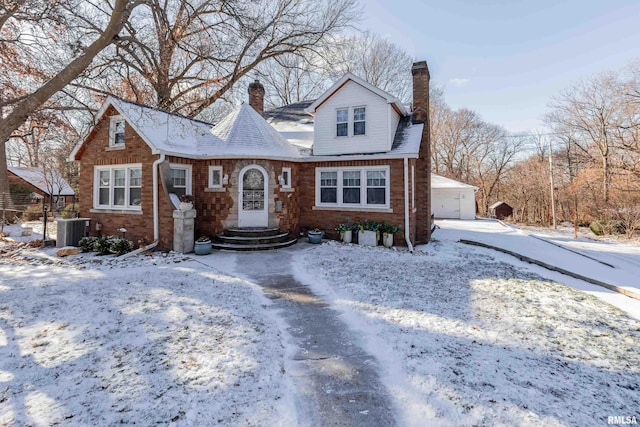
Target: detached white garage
(452,199)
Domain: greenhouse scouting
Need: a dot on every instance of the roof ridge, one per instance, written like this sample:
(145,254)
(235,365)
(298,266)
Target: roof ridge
(148,107)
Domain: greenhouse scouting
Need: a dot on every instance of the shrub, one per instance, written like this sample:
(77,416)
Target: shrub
(88,244)
(33,212)
(615,227)
(596,228)
(119,246)
(68,212)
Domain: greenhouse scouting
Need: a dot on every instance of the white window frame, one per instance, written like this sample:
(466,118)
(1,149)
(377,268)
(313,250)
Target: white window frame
(353,124)
(363,187)
(286,182)
(114,120)
(127,187)
(213,169)
(347,122)
(188,169)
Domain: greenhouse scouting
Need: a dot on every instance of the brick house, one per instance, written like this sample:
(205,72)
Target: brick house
(48,185)
(369,160)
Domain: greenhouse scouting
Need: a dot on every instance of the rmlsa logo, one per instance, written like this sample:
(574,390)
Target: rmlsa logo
(620,420)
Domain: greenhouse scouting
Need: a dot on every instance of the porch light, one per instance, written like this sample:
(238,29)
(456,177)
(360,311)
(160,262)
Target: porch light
(225,179)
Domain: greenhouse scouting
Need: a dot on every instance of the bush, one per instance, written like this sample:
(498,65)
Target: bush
(120,246)
(597,228)
(88,244)
(33,212)
(68,212)
(615,227)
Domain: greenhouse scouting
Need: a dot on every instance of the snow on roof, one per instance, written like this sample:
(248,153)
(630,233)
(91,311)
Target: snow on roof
(496,204)
(242,133)
(329,92)
(36,177)
(438,181)
(293,123)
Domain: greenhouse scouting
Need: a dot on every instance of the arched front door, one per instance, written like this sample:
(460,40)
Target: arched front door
(253,190)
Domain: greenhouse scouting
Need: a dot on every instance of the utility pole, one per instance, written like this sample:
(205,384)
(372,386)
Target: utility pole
(553,197)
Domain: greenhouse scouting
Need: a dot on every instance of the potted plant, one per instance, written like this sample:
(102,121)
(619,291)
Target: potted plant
(346,231)
(368,233)
(315,235)
(186,202)
(202,246)
(388,231)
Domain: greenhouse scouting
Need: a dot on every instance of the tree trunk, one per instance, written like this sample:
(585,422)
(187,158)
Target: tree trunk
(21,111)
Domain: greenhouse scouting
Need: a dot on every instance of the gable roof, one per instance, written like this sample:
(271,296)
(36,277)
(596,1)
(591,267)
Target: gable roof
(36,177)
(293,122)
(242,133)
(438,181)
(496,204)
(390,99)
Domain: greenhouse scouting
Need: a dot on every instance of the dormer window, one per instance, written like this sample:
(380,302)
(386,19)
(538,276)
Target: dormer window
(359,121)
(342,122)
(116,131)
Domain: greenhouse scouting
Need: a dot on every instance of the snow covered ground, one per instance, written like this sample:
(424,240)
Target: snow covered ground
(152,340)
(463,336)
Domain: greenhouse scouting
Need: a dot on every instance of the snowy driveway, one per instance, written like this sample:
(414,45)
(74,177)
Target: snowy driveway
(614,264)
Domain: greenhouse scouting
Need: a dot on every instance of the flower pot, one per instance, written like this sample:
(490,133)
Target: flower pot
(367,238)
(387,240)
(185,206)
(347,236)
(315,236)
(202,248)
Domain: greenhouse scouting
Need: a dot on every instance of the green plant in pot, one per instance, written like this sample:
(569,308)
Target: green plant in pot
(345,231)
(368,233)
(388,231)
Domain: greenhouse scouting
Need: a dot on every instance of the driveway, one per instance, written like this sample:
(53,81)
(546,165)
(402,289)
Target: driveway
(610,263)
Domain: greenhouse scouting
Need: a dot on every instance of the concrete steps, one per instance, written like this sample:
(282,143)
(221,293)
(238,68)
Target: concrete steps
(253,239)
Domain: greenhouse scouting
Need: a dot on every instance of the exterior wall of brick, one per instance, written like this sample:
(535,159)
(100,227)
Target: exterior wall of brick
(420,73)
(328,220)
(96,151)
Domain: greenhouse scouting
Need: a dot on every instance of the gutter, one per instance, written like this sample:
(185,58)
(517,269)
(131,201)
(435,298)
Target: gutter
(406,204)
(156,220)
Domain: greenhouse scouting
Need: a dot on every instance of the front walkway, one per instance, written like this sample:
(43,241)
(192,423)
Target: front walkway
(336,382)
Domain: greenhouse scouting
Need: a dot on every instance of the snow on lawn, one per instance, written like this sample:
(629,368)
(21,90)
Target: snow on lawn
(465,339)
(150,340)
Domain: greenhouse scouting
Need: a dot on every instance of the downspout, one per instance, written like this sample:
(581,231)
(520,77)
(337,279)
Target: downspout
(156,220)
(406,204)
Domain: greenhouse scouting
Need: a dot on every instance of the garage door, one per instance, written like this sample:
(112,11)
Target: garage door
(446,204)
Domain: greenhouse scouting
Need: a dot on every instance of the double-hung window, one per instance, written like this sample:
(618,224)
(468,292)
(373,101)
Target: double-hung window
(361,187)
(359,121)
(116,131)
(342,122)
(118,187)
(181,179)
(329,187)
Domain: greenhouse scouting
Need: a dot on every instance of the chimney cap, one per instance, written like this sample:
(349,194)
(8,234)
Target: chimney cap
(420,67)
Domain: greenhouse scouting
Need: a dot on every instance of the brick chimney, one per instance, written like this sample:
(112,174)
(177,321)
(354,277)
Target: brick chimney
(420,113)
(420,73)
(256,96)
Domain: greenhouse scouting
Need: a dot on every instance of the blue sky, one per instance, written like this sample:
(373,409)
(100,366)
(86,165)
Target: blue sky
(506,59)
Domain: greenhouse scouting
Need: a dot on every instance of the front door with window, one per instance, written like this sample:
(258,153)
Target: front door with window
(253,204)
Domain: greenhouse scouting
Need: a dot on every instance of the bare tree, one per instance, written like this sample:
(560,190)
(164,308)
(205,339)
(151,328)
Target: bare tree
(43,47)
(184,55)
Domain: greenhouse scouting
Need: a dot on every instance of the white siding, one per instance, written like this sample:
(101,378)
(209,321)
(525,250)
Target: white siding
(378,119)
(394,119)
(453,203)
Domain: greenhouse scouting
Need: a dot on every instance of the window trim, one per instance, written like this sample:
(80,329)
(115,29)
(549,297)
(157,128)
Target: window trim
(188,180)
(114,120)
(363,187)
(127,186)
(211,170)
(353,124)
(285,183)
(347,109)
